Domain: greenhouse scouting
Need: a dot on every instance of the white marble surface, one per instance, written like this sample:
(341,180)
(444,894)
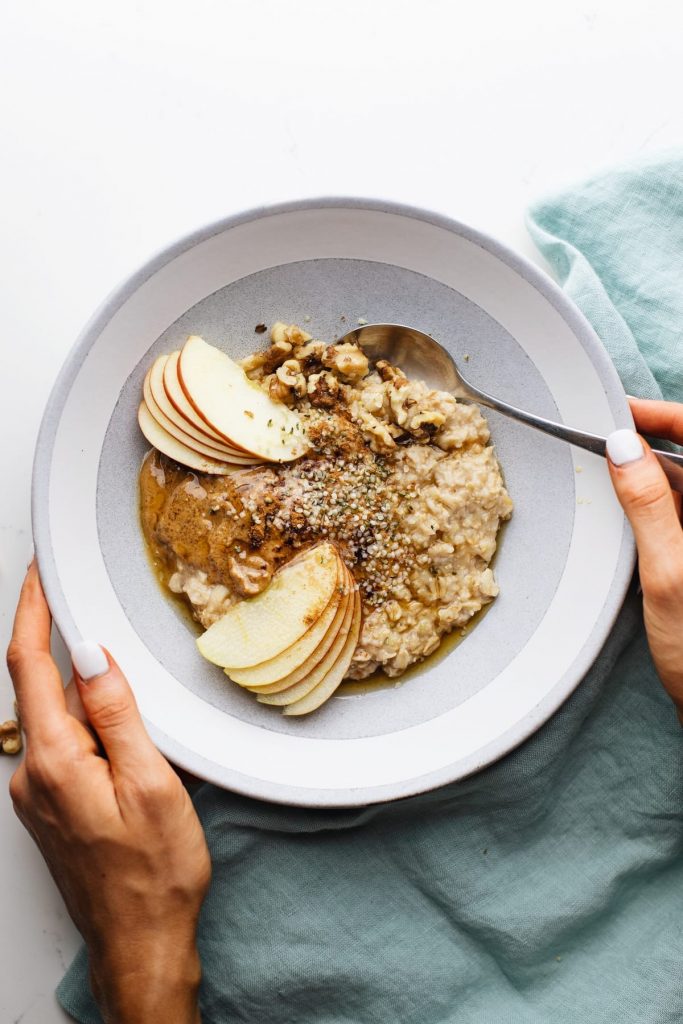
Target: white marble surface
(125,125)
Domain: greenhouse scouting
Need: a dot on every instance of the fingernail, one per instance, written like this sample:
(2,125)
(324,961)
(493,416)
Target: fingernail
(624,446)
(89,660)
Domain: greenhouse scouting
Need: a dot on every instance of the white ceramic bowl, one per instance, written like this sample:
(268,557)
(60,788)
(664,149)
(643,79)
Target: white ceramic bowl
(563,565)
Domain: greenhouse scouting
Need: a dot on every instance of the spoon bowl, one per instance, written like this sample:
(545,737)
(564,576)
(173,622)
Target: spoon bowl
(423,358)
(417,354)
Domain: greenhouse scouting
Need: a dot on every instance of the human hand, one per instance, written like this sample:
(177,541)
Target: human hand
(118,831)
(654,513)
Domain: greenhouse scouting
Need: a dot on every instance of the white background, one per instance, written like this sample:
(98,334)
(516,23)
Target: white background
(124,125)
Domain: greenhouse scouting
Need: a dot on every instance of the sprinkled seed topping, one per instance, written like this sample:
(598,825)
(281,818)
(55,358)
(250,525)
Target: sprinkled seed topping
(341,493)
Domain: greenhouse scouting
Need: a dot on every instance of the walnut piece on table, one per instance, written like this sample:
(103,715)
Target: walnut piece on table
(10,735)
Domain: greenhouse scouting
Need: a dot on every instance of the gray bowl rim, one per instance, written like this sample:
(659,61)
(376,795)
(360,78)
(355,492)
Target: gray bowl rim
(171,748)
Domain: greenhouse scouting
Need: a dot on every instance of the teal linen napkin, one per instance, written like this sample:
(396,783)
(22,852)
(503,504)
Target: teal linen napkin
(548,888)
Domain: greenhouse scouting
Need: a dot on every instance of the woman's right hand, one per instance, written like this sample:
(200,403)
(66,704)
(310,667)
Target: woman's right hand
(113,822)
(654,513)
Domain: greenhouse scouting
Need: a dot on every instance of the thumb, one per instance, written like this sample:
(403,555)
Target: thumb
(111,709)
(644,493)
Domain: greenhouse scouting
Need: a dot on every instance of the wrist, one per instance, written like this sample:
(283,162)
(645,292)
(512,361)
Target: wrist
(148,980)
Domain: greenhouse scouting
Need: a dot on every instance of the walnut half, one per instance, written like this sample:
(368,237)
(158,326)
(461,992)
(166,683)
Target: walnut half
(268,359)
(10,735)
(391,373)
(348,361)
(278,390)
(291,376)
(323,390)
(292,334)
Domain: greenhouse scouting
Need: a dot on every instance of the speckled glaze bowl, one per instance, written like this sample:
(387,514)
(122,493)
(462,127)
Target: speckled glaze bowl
(565,558)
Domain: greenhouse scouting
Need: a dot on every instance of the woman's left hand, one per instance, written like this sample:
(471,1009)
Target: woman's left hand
(654,513)
(117,829)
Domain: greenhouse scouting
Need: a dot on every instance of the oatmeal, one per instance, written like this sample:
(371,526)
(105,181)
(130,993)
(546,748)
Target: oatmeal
(401,478)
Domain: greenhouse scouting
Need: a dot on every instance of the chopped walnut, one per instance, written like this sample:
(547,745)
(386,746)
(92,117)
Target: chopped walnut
(397,432)
(388,372)
(311,354)
(430,421)
(277,332)
(249,576)
(288,371)
(377,433)
(267,360)
(10,735)
(416,412)
(283,339)
(290,374)
(348,360)
(323,390)
(278,390)
(291,334)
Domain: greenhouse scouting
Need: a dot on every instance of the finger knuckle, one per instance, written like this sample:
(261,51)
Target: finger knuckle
(648,498)
(45,773)
(17,789)
(36,768)
(153,793)
(664,586)
(112,714)
(159,792)
(14,657)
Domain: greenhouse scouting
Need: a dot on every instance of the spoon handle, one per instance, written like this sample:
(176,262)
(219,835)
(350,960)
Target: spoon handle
(671,462)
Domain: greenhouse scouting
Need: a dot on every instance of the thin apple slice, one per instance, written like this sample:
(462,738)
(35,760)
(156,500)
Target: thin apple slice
(153,388)
(320,672)
(324,690)
(264,626)
(284,664)
(237,408)
(305,669)
(171,420)
(171,428)
(169,445)
(180,403)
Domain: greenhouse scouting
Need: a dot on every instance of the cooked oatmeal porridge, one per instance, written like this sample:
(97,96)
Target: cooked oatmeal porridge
(400,477)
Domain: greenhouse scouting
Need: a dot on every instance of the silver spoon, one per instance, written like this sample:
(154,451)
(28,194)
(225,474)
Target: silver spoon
(422,358)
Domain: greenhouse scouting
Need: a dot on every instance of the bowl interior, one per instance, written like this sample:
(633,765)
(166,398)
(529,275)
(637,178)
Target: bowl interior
(539,474)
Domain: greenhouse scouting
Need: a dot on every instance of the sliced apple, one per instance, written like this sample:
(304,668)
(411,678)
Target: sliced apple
(153,389)
(307,666)
(176,450)
(284,664)
(320,672)
(236,408)
(324,690)
(170,419)
(261,627)
(181,404)
(171,428)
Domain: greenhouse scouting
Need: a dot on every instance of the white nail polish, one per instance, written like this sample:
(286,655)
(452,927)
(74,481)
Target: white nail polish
(89,659)
(624,446)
